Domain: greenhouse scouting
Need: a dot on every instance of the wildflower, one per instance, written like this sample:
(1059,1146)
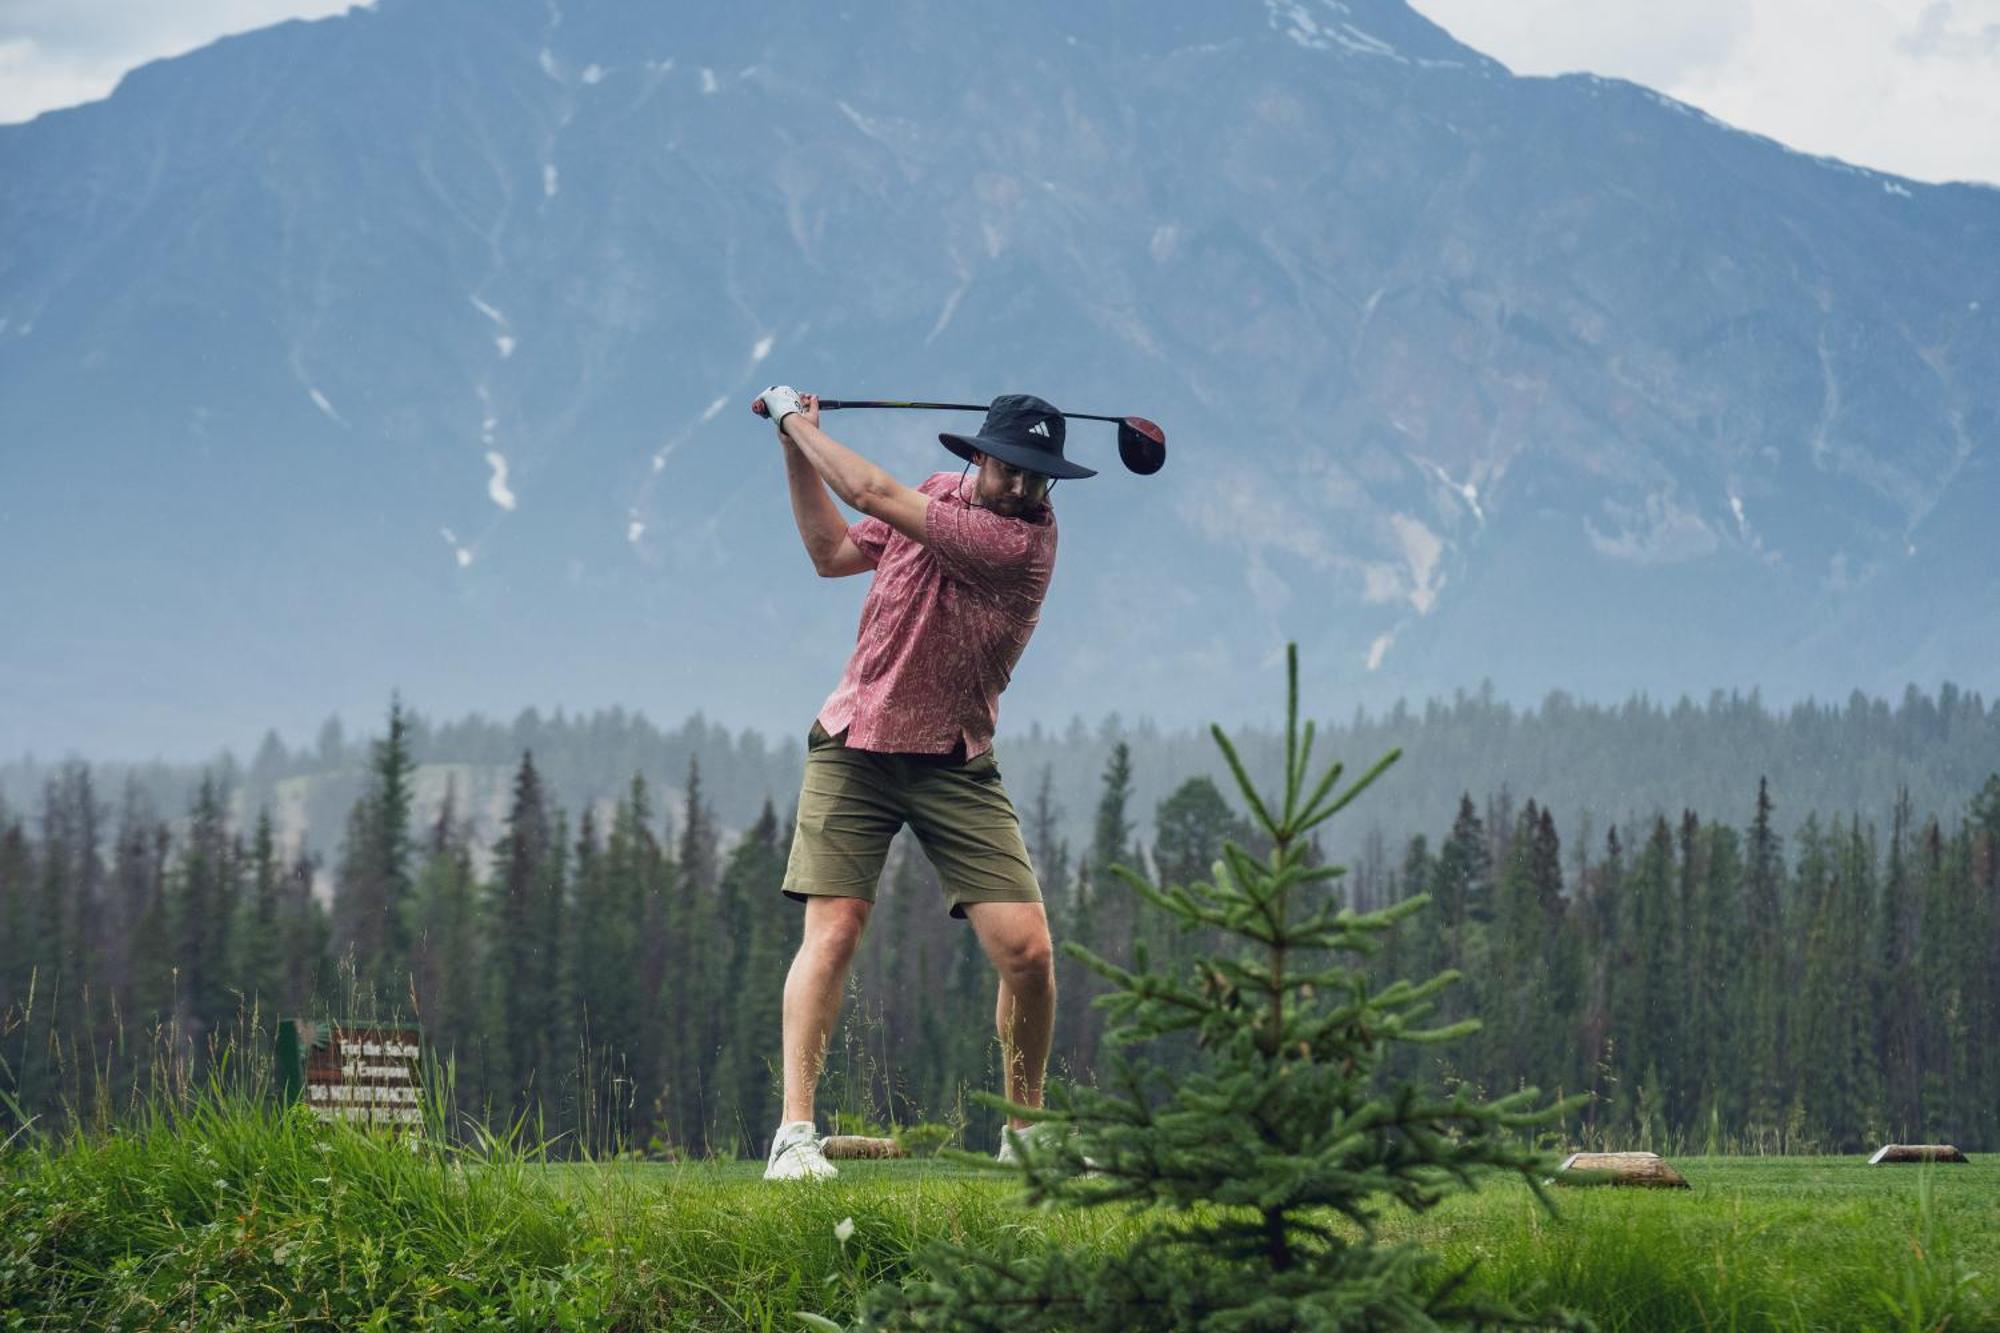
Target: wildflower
(843,1229)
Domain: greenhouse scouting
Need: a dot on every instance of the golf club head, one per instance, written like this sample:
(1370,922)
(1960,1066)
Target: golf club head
(1142,445)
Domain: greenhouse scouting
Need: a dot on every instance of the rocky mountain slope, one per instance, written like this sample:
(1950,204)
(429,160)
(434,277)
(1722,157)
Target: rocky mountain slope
(411,349)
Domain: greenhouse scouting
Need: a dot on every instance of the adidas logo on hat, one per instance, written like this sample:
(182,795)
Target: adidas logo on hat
(1040,428)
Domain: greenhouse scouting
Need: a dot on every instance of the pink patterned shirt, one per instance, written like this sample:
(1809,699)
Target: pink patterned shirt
(942,626)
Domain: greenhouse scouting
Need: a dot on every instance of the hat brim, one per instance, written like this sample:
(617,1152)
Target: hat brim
(1028,460)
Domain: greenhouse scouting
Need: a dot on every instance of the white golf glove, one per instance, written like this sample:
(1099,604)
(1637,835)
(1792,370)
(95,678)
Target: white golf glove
(780,401)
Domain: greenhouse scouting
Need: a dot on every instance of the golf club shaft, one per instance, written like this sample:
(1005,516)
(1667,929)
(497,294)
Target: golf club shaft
(835,404)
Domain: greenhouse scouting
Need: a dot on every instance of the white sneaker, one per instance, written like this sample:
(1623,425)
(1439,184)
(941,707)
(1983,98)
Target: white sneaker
(1033,1136)
(795,1154)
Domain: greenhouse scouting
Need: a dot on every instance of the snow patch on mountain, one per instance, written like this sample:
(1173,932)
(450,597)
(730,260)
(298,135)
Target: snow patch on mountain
(459,551)
(496,486)
(549,180)
(1466,491)
(1421,550)
(1296,22)
(1379,649)
(1659,532)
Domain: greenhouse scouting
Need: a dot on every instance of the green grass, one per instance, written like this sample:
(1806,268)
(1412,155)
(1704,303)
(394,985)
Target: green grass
(231,1217)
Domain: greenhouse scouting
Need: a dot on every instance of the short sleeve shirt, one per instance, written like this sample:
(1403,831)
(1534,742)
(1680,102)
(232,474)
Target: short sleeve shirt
(943,624)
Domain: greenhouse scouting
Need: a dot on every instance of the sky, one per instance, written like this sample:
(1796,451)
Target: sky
(1906,86)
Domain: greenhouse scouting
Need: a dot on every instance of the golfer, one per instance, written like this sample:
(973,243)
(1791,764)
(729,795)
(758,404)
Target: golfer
(961,563)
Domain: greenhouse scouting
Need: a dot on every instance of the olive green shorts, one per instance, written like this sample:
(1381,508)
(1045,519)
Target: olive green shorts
(853,802)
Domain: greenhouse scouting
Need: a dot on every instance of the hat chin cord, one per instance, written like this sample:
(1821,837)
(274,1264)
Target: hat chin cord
(974,501)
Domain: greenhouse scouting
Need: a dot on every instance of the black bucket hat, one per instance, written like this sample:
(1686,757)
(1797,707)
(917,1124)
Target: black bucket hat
(1023,431)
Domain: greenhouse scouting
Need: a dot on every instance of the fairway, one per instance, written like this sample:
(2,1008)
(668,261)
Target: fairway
(1800,1243)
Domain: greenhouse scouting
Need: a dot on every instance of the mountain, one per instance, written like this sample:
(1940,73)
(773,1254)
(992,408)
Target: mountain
(412,349)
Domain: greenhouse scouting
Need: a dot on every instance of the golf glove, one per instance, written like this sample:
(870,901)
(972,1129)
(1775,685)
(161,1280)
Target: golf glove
(780,401)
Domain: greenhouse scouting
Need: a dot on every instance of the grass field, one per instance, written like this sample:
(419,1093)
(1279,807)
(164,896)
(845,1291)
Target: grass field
(234,1217)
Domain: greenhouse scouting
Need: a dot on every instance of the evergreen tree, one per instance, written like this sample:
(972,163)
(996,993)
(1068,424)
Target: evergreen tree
(1767,981)
(522,1065)
(1111,844)
(138,880)
(69,898)
(17,877)
(1646,1000)
(1190,827)
(1981,924)
(1234,1164)
(1898,996)
(1692,1004)
(749,943)
(307,935)
(1510,989)
(203,904)
(1721,1035)
(1941,1036)
(445,955)
(257,944)
(1562,978)
(1600,907)
(1048,849)
(1077,1030)
(1462,883)
(1824,1087)
(373,913)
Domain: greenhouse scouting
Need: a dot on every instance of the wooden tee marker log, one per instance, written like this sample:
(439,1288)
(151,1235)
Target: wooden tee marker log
(1897,1154)
(855,1146)
(1644,1169)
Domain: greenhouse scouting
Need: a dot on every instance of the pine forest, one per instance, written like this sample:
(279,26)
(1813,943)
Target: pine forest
(606,979)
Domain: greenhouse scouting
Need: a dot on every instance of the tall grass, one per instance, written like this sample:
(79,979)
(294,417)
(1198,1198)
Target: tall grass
(189,1198)
(234,1213)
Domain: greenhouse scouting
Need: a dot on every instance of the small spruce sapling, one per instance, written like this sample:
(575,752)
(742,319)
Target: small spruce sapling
(1263,1169)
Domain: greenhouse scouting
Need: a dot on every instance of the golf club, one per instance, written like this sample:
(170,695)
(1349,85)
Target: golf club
(1142,445)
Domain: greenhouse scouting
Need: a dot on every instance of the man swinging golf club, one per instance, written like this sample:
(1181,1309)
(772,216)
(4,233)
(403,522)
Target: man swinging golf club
(961,564)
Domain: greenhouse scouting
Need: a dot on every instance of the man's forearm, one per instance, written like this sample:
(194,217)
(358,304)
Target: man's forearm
(852,477)
(820,525)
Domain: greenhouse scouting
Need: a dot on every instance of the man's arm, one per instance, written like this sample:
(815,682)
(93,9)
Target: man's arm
(853,478)
(821,528)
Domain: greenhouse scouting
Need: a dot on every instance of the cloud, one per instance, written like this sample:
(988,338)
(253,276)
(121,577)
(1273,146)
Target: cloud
(56,53)
(1908,87)
(1905,86)
(1657,45)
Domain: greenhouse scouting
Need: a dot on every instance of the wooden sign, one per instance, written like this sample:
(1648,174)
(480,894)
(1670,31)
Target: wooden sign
(364,1073)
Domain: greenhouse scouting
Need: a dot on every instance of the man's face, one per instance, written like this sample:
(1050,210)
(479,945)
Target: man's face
(1007,490)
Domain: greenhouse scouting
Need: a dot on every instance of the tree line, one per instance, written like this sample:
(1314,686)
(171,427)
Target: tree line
(1610,762)
(612,981)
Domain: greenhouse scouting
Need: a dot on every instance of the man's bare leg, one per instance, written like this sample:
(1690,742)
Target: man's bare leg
(1016,939)
(812,994)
